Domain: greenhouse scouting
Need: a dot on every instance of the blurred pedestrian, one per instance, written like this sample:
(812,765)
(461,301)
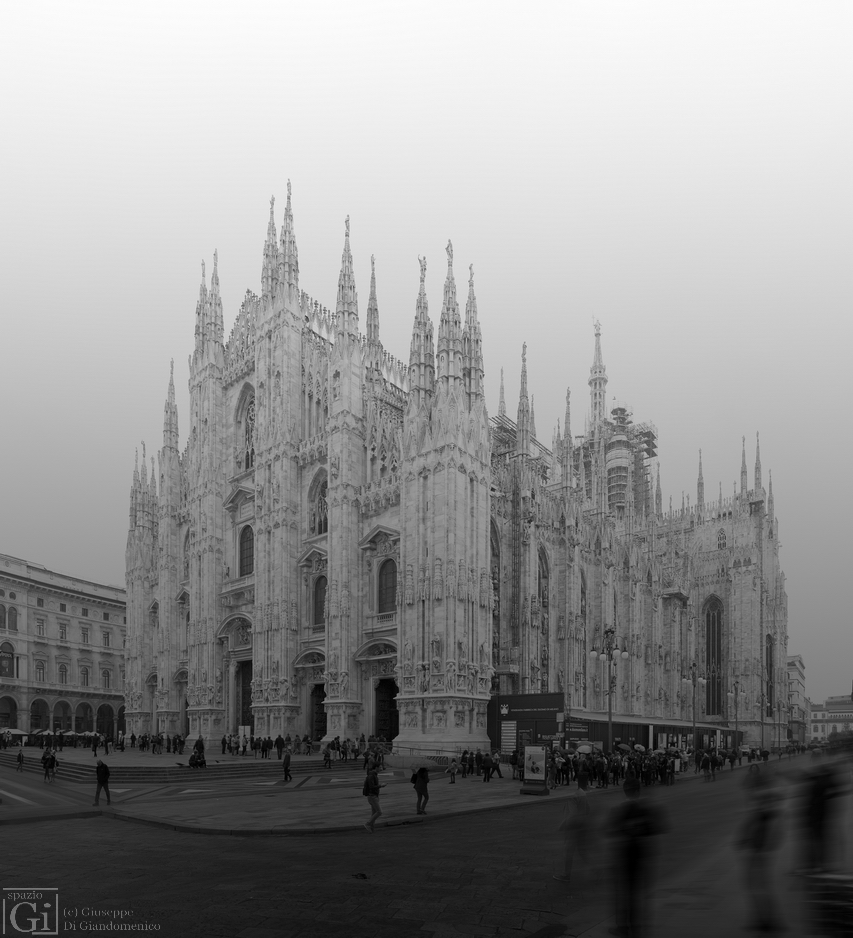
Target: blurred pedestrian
(633,824)
(286,761)
(759,838)
(371,792)
(451,770)
(421,783)
(575,829)
(102,773)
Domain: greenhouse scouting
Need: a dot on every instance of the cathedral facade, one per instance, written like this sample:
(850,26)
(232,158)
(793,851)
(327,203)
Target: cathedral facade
(347,543)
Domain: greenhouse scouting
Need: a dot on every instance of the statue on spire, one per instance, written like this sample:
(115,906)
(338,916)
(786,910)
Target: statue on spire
(449,250)
(288,190)
(471,274)
(422,262)
(347,225)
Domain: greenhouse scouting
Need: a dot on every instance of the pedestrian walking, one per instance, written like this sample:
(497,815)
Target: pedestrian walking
(487,766)
(286,760)
(632,826)
(478,761)
(371,792)
(102,773)
(421,782)
(451,770)
(496,763)
(513,761)
(463,763)
(279,744)
(20,761)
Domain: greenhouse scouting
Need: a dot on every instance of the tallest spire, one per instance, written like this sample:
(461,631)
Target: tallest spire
(449,343)
(743,467)
(700,485)
(597,380)
(347,305)
(288,257)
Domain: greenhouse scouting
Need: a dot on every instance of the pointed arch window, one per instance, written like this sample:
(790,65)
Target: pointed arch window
(320,600)
(320,510)
(387,587)
(714,657)
(247,551)
(721,539)
(7,660)
(12,621)
(249,436)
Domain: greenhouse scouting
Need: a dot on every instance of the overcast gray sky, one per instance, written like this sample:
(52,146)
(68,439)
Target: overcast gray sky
(679,171)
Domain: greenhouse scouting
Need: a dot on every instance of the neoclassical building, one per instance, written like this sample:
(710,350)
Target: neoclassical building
(61,651)
(346,543)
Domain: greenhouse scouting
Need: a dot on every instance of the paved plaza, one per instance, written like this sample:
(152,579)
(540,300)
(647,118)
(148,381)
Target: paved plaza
(255,858)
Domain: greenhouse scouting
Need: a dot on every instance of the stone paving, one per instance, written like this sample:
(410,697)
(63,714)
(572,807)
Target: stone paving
(480,863)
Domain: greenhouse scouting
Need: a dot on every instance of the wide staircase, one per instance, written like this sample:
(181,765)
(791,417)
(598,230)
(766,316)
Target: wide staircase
(174,769)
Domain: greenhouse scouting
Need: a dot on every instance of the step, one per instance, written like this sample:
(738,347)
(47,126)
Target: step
(170,771)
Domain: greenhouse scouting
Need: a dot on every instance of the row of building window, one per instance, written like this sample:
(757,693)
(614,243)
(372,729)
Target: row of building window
(63,607)
(9,622)
(8,669)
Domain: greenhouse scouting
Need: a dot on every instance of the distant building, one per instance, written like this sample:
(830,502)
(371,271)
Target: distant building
(61,650)
(833,716)
(797,712)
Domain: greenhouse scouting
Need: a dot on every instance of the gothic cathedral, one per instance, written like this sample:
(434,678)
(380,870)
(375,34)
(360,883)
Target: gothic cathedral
(348,544)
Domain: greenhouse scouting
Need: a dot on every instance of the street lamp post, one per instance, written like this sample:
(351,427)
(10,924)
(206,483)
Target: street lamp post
(736,694)
(694,679)
(610,653)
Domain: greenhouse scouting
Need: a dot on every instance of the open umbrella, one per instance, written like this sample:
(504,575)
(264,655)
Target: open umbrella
(585,749)
(624,747)
(17,732)
(639,748)
(659,752)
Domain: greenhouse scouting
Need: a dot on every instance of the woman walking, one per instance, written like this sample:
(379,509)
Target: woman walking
(421,783)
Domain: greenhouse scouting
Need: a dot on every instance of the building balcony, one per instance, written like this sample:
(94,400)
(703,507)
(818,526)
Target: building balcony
(380,622)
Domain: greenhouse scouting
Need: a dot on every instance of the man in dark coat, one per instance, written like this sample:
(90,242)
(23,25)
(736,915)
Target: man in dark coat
(287,776)
(102,772)
(279,745)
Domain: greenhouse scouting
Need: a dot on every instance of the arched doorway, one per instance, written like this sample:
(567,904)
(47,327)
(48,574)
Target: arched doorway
(62,716)
(105,722)
(84,719)
(39,715)
(8,713)
(318,712)
(387,716)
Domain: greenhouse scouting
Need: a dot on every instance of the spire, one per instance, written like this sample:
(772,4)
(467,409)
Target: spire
(201,309)
(269,268)
(170,414)
(522,432)
(449,342)
(421,351)
(700,485)
(532,418)
(770,507)
(217,328)
(372,306)
(288,254)
(757,464)
(347,305)
(598,380)
(472,344)
(502,401)
(743,468)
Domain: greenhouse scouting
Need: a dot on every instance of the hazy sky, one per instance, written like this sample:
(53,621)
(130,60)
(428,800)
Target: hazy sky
(681,172)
